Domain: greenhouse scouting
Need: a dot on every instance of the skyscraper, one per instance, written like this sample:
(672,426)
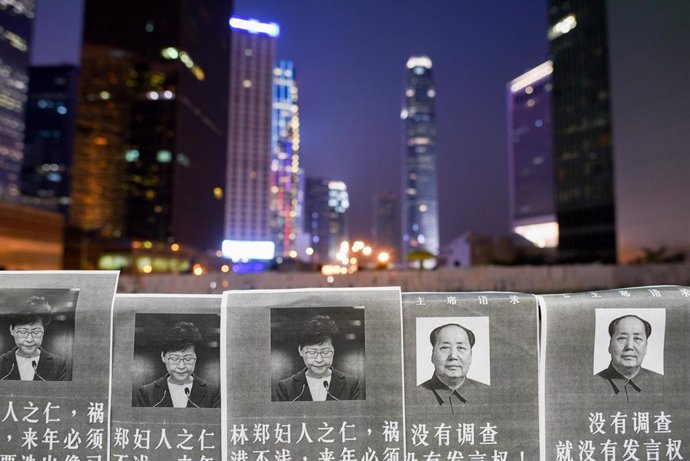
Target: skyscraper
(285,170)
(582,145)
(248,190)
(49,139)
(530,164)
(420,205)
(149,158)
(326,206)
(16,21)
(386,231)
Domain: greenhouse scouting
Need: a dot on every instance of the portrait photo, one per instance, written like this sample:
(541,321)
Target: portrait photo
(176,362)
(475,365)
(317,354)
(37,334)
(647,351)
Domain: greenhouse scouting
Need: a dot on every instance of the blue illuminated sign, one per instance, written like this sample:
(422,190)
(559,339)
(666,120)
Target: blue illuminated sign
(255,27)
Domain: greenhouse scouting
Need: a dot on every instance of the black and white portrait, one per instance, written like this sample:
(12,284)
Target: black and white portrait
(629,352)
(453,360)
(317,354)
(37,334)
(176,361)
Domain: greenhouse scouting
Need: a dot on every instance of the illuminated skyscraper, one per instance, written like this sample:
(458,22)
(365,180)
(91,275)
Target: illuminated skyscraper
(149,158)
(248,190)
(420,204)
(285,171)
(582,141)
(326,206)
(16,21)
(530,163)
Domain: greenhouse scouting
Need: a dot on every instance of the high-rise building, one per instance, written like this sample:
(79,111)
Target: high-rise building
(326,205)
(49,139)
(530,163)
(248,189)
(386,219)
(420,204)
(582,145)
(16,21)
(285,170)
(650,82)
(149,159)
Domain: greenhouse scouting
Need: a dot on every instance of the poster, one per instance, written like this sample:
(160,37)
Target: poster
(55,331)
(471,374)
(312,375)
(166,377)
(616,376)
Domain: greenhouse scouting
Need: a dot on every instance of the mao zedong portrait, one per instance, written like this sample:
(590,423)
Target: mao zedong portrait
(180,387)
(318,380)
(625,377)
(449,387)
(28,361)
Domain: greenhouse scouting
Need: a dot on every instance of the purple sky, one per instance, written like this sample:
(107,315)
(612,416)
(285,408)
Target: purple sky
(350,65)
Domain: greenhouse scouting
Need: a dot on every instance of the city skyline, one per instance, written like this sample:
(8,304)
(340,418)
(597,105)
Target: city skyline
(354,55)
(346,124)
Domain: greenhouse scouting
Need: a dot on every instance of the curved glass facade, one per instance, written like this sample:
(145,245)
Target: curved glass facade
(420,192)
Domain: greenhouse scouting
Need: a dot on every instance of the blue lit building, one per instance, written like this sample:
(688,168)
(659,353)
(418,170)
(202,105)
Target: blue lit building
(530,158)
(248,174)
(420,193)
(16,21)
(285,170)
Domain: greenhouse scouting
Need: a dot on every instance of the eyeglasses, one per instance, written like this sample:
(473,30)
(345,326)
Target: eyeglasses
(175,360)
(326,354)
(23,332)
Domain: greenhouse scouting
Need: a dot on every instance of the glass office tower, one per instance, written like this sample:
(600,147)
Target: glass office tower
(420,207)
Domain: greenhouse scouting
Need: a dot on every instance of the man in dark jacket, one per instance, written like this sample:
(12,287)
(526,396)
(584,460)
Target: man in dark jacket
(28,361)
(180,387)
(449,387)
(318,381)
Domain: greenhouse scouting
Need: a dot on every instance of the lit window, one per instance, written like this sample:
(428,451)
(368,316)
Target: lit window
(431,93)
(164,156)
(131,155)
(218,193)
(247,83)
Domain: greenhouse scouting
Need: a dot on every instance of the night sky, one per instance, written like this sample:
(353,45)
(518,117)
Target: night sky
(350,65)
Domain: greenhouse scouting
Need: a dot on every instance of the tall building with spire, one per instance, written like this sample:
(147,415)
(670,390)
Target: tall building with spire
(248,178)
(285,170)
(420,189)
